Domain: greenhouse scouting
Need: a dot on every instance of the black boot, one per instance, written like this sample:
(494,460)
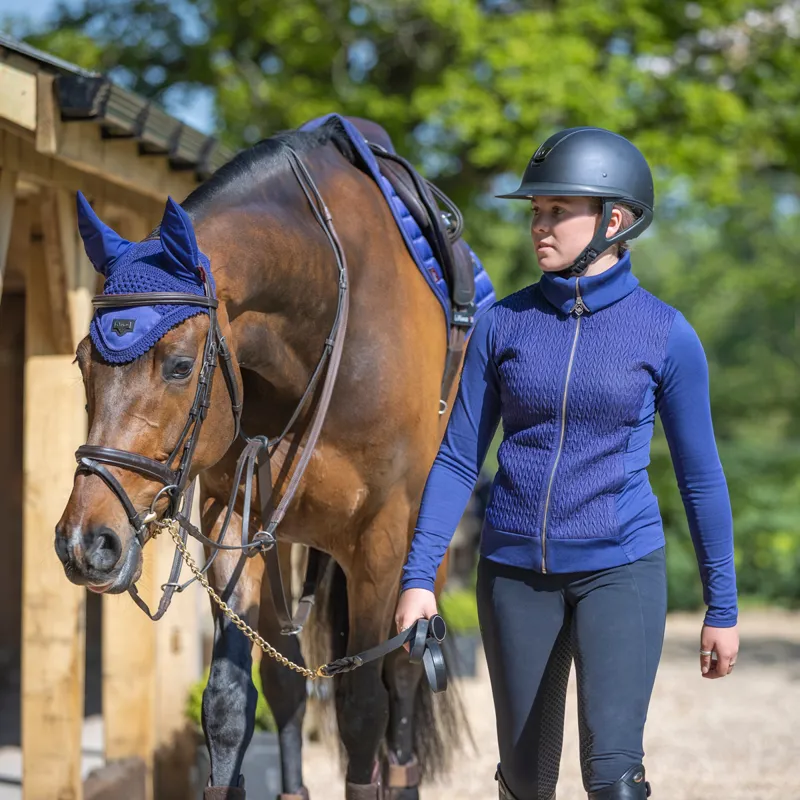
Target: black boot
(631,786)
(505,792)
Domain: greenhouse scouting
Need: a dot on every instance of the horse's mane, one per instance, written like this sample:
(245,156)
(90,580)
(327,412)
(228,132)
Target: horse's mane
(239,176)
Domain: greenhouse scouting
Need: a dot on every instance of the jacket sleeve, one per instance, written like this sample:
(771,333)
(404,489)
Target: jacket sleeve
(684,407)
(473,422)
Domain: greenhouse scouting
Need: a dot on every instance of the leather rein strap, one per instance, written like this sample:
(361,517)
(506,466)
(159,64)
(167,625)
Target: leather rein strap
(424,637)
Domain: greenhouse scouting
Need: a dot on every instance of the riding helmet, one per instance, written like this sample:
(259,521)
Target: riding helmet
(592,162)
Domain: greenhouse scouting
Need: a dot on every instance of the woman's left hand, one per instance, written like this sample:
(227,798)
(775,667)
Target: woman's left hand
(718,650)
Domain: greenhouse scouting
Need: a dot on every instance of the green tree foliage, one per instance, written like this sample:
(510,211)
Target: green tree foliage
(708,90)
(732,274)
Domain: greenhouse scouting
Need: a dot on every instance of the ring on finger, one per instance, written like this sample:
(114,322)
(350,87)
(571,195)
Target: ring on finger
(706,652)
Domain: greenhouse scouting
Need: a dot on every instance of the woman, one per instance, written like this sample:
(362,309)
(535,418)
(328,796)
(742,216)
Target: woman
(572,559)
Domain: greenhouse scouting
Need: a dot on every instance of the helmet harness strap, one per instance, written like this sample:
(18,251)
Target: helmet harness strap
(596,246)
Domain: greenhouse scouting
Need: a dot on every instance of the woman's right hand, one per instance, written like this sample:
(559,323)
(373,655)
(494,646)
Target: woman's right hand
(414,604)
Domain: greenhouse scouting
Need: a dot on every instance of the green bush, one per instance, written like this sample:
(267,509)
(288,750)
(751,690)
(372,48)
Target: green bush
(194,704)
(460,610)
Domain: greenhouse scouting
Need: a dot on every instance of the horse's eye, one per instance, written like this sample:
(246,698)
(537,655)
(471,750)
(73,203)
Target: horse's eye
(178,368)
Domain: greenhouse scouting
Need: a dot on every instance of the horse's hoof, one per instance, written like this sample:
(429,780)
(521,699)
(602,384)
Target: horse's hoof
(363,791)
(401,781)
(301,795)
(223,793)
(406,793)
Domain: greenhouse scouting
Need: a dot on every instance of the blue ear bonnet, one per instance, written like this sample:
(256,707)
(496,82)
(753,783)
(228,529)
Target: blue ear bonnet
(169,263)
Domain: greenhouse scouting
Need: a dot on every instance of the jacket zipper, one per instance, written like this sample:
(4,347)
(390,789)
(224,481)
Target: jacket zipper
(578,310)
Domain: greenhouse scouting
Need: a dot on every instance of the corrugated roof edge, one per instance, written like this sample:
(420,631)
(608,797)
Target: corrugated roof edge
(87,95)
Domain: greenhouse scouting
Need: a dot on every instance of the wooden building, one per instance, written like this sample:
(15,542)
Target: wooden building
(63,129)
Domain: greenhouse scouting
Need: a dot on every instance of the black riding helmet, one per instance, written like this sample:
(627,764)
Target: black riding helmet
(592,162)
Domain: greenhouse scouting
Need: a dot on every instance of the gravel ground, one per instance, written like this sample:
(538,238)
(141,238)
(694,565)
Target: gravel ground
(737,738)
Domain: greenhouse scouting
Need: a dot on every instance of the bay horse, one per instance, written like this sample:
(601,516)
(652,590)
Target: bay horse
(277,289)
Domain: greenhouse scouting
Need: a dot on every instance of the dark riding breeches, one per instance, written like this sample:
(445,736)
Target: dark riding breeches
(533,625)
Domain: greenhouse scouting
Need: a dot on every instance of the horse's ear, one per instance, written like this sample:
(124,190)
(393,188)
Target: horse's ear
(180,243)
(103,245)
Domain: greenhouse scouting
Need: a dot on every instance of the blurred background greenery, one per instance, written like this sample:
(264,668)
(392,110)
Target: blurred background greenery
(708,90)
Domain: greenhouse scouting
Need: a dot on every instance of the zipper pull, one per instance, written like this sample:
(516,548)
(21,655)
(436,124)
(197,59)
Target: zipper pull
(579,307)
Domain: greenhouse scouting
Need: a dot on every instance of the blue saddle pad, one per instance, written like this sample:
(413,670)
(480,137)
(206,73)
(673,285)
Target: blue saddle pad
(417,244)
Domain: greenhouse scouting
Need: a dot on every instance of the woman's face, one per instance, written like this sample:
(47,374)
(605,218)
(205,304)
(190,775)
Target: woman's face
(562,226)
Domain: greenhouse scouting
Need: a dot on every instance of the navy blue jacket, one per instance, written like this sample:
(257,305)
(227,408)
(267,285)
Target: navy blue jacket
(576,369)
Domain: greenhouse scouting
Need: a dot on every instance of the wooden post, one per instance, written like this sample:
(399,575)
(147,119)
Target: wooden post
(179,664)
(8,183)
(129,649)
(53,609)
(70,275)
(129,676)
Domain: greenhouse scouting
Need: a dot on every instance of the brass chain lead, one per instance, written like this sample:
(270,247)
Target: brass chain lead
(173,526)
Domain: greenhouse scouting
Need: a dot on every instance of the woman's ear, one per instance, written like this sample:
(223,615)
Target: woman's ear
(615,223)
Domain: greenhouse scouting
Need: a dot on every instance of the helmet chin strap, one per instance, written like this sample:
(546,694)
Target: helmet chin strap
(597,245)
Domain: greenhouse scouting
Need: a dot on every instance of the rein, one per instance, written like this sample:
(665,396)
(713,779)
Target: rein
(254,461)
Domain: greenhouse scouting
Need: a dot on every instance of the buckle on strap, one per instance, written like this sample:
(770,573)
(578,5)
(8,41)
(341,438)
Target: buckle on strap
(464,316)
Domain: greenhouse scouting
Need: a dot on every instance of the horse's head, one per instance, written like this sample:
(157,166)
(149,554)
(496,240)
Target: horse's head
(147,367)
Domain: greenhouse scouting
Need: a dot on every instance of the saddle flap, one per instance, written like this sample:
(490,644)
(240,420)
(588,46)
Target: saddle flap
(455,257)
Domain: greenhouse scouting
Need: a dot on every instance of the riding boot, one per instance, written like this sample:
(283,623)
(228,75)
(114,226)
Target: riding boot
(505,792)
(225,792)
(631,786)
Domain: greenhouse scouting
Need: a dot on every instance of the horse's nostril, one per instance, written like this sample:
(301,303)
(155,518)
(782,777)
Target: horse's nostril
(103,550)
(62,548)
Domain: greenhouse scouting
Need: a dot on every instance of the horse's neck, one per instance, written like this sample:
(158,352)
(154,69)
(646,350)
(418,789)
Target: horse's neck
(278,282)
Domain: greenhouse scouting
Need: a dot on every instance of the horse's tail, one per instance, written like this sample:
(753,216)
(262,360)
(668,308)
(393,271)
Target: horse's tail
(440,722)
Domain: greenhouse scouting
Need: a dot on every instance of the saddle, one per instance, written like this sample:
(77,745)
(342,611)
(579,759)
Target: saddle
(442,230)
(431,232)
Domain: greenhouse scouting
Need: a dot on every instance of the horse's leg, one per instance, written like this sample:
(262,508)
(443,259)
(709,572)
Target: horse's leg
(229,701)
(362,701)
(284,689)
(411,723)
(401,773)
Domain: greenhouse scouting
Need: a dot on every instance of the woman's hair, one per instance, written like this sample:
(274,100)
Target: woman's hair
(628,218)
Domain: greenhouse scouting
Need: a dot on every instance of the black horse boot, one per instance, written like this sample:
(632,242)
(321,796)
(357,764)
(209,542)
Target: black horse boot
(505,792)
(631,786)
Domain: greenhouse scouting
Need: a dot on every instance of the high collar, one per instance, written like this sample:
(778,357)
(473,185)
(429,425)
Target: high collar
(597,291)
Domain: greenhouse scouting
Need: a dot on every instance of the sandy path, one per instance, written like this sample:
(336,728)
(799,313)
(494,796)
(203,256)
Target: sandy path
(737,738)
